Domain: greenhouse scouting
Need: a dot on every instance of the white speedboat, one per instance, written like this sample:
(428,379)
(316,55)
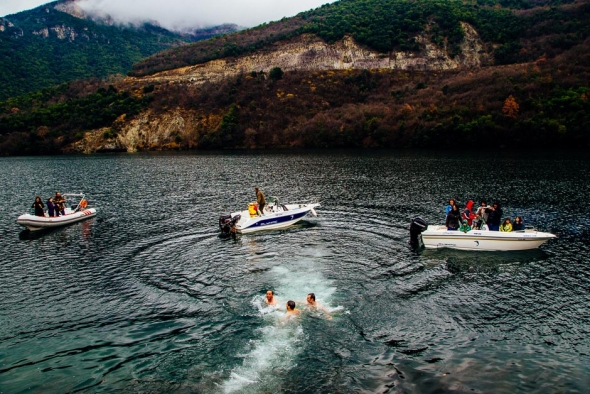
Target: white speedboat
(436,237)
(275,216)
(74,213)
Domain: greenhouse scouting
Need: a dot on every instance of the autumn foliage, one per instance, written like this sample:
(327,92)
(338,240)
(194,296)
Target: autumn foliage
(539,102)
(510,108)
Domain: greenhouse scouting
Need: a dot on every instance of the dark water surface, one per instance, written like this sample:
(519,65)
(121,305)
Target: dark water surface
(147,298)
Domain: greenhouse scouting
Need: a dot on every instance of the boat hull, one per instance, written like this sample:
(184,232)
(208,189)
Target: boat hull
(35,223)
(439,237)
(273,221)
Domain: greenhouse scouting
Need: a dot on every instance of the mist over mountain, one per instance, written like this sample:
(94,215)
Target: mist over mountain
(180,15)
(60,42)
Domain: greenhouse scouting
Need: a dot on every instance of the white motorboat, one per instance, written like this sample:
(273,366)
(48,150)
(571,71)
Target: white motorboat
(436,237)
(275,216)
(73,213)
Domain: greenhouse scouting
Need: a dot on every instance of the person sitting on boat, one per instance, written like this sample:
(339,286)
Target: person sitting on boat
(465,227)
(477,223)
(50,207)
(467,213)
(518,224)
(506,226)
(494,217)
(60,204)
(38,205)
(260,199)
(453,219)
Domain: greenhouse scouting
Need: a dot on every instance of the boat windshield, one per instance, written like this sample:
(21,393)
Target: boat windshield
(272,200)
(75,201)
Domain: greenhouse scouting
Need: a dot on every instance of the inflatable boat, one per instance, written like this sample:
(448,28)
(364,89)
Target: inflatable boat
(74,213)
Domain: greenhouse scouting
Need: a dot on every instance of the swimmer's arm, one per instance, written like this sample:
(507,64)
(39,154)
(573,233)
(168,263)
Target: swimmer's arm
(326,312)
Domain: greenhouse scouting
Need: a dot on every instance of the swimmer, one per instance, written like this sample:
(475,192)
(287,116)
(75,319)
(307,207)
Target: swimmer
(311,300)
(291,310)
(312,303)
(270,298)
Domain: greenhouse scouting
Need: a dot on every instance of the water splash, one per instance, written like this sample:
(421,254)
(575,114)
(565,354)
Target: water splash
(267,357)
(266,360)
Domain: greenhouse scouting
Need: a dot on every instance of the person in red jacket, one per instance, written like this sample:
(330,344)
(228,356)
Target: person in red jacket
(467,213)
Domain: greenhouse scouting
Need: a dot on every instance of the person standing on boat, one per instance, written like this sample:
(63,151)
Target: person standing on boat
(38,205)
(481,211)
(494,217)
(50,207)
(449,207)
(60,204)
(453,219)
(260,199)
(468,213)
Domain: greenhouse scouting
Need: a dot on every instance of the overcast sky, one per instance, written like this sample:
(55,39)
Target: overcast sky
(176,14)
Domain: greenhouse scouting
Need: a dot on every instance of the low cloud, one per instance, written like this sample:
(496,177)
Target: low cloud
(186,14)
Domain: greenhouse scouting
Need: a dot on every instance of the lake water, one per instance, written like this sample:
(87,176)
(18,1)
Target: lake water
(147,298)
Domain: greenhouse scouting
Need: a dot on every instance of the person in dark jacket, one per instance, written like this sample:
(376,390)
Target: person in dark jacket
(60,204)
(260,199)
(518,224)
(453,219)
(449,207)
(38,205)
(50,208)
(494,217)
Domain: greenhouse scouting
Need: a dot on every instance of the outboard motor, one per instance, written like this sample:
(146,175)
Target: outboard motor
(416,227)
(227,224)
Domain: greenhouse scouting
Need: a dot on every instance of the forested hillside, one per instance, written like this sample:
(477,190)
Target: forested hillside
(536,95)
(46,46)
(506,26)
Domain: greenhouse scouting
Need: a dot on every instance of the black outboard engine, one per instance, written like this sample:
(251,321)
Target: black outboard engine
(227,224)
(416,227)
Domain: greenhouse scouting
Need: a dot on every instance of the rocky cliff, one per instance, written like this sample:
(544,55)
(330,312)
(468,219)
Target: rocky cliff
(310,53)
(148,131)
(307,52)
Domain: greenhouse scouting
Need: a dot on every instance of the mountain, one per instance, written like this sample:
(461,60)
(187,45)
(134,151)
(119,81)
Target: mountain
(390,27)
(59,42)
(356,73)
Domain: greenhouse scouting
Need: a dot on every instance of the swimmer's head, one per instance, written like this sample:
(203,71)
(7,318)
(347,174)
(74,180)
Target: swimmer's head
(310,297)
(269,294)
(290,305)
